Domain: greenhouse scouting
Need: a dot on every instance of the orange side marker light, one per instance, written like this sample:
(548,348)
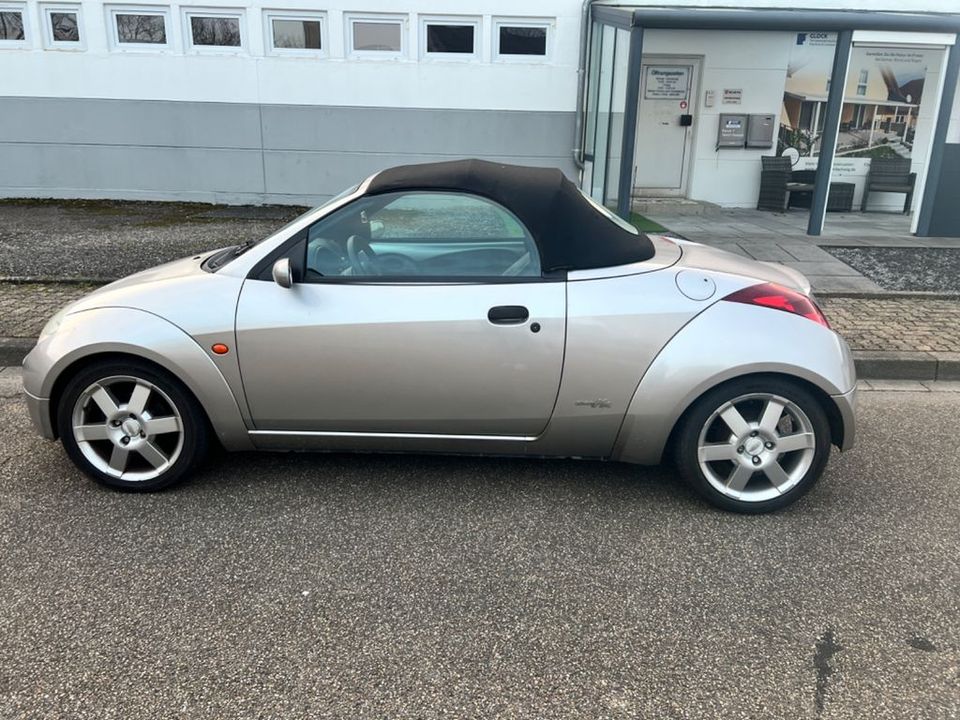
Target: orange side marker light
(220,349)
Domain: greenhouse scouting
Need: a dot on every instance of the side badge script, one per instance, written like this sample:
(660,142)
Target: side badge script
(598,403)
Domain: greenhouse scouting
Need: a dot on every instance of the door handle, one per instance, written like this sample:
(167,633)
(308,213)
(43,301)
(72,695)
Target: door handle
(508,315)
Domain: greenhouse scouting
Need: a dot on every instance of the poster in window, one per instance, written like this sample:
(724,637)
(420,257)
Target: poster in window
(883,94)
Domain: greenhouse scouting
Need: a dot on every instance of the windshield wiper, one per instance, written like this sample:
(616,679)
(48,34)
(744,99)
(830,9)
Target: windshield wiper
(244,246)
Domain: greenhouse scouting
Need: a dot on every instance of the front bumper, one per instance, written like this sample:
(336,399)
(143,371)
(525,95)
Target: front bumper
(35,366)
(39,409)
(847,405)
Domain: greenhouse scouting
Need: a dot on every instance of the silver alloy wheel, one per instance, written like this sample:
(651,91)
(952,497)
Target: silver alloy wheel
(127,428)
(756,447)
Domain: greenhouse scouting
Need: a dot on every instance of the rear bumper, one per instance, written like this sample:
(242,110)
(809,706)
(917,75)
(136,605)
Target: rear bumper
(39,409)
(847,405)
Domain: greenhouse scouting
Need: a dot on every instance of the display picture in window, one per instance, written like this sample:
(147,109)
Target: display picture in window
(518,40)
(455,39)
(64,27)
(141,29)
(289,34)
(371,36)
(11,25)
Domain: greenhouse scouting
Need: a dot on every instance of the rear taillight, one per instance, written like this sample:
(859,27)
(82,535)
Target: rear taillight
(778,297)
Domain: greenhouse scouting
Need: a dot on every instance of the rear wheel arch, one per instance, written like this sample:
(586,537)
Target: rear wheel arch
(824,400)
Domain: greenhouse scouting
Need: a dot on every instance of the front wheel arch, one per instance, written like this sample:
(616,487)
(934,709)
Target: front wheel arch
(81,364)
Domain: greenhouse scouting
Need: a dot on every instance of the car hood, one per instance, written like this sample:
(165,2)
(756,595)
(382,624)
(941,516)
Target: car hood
(704,257)
(181,292)
(159,279)
(184,267)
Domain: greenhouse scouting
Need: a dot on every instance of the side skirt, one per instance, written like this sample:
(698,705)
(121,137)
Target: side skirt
(390,442)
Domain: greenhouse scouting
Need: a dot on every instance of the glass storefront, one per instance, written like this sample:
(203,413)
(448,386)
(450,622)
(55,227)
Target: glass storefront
(606,102)
(781,85)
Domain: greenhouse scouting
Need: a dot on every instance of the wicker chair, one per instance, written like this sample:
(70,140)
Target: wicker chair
(890,175)
(777,182)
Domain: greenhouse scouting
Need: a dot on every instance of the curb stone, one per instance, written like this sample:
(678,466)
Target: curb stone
(907,365)
(13,350)
(871,364)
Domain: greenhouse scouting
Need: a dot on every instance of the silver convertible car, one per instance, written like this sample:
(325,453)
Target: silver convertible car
(457,307)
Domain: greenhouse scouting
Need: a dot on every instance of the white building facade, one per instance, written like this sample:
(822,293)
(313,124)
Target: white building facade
(290,101)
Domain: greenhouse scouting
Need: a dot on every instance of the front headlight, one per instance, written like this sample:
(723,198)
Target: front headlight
(53,324)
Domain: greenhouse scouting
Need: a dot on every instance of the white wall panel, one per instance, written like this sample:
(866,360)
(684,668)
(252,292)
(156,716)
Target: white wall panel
(754,62)
(250,76)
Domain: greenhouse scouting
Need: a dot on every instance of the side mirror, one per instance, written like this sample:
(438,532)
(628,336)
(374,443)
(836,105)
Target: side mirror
(282,273)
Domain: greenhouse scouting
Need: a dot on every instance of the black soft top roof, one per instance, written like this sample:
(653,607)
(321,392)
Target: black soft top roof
(570,233)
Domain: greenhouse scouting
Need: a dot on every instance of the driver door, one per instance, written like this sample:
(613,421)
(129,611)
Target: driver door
(416,312)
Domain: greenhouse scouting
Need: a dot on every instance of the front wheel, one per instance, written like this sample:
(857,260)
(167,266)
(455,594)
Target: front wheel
(132,426)
(754,445)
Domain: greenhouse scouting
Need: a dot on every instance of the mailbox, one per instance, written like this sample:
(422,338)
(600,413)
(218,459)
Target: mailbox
(760,131)
(732,131)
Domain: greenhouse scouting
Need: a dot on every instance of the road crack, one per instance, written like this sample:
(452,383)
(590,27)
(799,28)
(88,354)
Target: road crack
(826,647)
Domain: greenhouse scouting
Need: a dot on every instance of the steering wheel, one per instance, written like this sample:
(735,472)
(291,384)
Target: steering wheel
(361,256)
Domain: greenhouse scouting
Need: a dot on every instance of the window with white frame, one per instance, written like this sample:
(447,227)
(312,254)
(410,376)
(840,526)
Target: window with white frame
(375,35)
(13,24)
(524,40)
(213,29)
(62,27)
(295,33)
(135,27)
(450,37)
(862,82)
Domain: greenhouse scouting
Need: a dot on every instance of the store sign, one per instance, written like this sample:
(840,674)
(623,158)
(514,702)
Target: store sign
(845,169)
(666,82)
(732,96)
(732,129)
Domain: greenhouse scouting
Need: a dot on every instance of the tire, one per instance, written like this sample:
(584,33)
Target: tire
(132,426)
(732,448)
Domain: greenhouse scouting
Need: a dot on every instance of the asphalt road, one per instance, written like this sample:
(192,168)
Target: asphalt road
(289,586)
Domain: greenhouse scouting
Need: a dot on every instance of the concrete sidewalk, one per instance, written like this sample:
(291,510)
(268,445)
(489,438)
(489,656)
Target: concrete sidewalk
(782,237)
(912,338)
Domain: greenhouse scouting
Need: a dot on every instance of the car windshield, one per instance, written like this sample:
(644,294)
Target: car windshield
(223,257)
(612,217)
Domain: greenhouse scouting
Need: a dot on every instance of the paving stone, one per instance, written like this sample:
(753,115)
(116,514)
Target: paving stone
(899,385)
(26,307)
(943,385)
(828,268)
(842,283)
(766,252)
(905,324)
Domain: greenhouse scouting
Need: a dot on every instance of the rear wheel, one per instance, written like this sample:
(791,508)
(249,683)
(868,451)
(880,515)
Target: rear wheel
(130,425)
(754,445)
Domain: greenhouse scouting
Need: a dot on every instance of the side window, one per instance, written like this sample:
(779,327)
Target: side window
(421,234)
